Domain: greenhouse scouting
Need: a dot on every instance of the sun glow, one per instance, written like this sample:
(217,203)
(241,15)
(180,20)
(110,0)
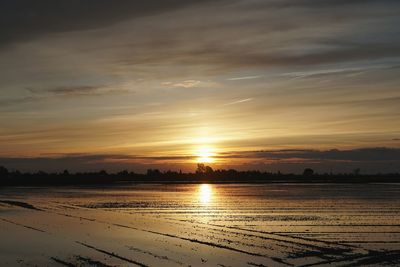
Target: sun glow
(205,154)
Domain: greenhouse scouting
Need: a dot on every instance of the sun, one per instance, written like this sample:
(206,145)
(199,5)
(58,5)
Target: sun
(205,154)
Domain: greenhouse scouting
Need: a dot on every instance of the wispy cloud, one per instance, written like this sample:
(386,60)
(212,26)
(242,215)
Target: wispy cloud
(187,84)
(244,78)
(346,71)
(83,90)
(238,101)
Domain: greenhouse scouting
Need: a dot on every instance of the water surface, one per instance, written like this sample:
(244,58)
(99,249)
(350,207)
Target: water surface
(202,225)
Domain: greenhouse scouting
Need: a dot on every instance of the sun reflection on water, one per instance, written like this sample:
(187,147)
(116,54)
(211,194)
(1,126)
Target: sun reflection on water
(205,193)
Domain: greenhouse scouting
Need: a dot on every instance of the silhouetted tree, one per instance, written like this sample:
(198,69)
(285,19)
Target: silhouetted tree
(123,173)
(153,172)
(357,171)
(201,168)
(209,170)
(308,172)
(3,172)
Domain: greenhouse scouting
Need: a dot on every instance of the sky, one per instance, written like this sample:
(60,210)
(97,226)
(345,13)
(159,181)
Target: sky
(246,84)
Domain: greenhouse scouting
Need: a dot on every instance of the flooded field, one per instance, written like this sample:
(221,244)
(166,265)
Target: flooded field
(202,225)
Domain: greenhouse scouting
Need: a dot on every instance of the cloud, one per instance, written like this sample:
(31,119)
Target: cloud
(187,84)
(344,53)
(15,101)
(243,78)
(68,90)
(327,72)
(89,162)
(87,90)
(39,94)
(356,155)
(26,19)
(78,90)
(369,160)
(238,101)
(372,160)
(304,38)
(326,3)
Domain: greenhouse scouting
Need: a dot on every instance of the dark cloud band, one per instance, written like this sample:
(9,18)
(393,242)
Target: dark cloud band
(373,160)
(26,19)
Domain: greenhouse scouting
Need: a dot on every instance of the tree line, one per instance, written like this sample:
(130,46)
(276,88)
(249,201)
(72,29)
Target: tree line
(202,174)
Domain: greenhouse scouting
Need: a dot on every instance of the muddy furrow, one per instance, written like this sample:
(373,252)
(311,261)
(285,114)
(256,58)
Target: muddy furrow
(378,257)
(112,254)
(23,225)
(373,257)
(154,255)
(63,262)
(337,225)
(91,262)
(19,204)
